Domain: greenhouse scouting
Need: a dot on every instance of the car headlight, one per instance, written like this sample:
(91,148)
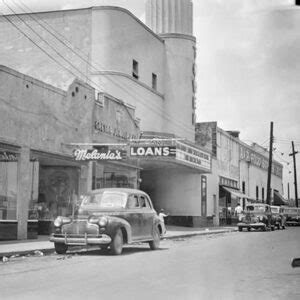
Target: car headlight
(103,221)
(59,221)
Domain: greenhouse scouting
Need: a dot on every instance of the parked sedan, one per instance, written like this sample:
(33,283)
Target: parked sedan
(278,217)
(257,216)
(109,218)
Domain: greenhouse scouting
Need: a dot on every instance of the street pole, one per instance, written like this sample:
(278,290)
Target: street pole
(288,186)
(270,166)
(295,172)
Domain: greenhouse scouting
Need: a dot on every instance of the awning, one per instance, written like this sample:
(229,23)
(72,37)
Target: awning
(236,193)
(278,199)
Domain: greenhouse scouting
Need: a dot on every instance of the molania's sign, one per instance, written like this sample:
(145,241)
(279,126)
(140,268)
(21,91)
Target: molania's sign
(164,151)
(82,154)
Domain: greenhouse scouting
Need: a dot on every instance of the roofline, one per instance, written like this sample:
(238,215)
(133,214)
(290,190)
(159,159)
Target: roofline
(104,7)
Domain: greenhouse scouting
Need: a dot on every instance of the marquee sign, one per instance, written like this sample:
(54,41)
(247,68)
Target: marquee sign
(99,154)
(152,151)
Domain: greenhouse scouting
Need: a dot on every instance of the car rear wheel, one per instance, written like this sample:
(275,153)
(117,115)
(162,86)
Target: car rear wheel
(116,245)
(249,228)
(60,248)
(240,228)
(154,244)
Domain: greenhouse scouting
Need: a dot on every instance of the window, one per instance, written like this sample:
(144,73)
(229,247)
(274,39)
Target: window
(154,81)
(132,201)
(263,194)
(143,202)
(135,69)
(256,192)
(244,187)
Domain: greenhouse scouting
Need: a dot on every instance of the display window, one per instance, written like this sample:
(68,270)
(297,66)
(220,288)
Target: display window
(106,176)
(8,190)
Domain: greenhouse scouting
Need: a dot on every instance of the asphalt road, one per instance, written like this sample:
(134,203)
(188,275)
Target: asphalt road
(238,265)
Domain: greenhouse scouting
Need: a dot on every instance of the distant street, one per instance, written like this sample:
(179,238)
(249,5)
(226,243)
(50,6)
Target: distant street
(239,265)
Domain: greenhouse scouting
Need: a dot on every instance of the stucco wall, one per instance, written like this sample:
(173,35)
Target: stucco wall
(40,116)
(179,86)
(18,52)
(228,155)
(176,191)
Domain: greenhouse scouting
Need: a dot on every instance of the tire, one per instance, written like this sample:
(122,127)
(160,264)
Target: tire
(60,248)
(240,229)
(249,228)
(272,227)
(116,246)
(154,244)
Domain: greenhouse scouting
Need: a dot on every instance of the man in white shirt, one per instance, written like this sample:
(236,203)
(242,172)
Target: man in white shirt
(238,211)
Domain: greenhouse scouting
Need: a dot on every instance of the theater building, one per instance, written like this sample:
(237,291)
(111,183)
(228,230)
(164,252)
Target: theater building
(149,67)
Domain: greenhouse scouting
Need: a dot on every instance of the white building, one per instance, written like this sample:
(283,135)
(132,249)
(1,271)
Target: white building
(152,69)
(240,173)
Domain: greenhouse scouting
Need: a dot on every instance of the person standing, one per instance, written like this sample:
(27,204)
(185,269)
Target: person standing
(238,211)
(162,216)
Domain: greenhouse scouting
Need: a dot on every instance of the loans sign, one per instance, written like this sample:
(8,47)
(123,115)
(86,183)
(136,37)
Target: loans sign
(96,154)
(153,151)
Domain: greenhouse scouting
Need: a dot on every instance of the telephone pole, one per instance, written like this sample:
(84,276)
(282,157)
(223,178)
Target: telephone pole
(295,172)
(270,166)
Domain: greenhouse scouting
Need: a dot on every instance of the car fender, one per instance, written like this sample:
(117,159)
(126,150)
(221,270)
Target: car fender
(115,223)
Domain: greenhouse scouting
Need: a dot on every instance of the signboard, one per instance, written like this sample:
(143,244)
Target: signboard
(153,151)
(7,156)
(193,156)
(99,154)
(259,161)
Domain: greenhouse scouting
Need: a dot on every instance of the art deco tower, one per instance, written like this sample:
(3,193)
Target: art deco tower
(172,20)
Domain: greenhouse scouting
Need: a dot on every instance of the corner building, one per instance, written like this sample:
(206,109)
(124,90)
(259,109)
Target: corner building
(150,68)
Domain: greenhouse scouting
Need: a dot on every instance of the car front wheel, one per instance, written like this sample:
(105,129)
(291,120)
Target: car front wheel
(116,245)
(154,244)
(60,248)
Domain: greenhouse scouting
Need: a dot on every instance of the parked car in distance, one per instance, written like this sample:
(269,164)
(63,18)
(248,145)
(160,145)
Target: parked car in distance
(257,216)
(292,215)
(279,218)
(109,218)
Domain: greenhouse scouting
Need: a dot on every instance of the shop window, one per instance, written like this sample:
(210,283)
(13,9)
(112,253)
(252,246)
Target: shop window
(8,190)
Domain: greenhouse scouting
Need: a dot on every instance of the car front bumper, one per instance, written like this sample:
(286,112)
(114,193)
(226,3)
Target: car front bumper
(251,225)
(76,240)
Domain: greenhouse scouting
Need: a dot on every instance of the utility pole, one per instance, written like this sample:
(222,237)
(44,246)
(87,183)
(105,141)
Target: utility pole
(295,172)
(288,186)
(270,166)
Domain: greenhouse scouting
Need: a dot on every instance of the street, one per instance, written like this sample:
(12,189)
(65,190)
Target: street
(238,265)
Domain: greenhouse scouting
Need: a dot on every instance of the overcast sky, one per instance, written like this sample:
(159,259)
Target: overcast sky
(248,66)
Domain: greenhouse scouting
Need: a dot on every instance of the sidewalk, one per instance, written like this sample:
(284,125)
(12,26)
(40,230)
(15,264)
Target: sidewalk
(25,247)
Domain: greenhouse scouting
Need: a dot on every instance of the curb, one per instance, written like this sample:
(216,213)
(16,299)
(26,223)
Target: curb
(46,251)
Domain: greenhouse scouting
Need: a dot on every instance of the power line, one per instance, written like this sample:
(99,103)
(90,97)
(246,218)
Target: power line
(157,111)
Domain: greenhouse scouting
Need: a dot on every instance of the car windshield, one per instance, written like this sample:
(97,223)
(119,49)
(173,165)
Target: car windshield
(256,208)
(106,200)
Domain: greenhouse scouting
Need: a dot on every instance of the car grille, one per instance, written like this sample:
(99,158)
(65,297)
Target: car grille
(80,228)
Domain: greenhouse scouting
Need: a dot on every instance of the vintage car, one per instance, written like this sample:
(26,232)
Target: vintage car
(292,215)
(109,218)
(257,216)
(278,216)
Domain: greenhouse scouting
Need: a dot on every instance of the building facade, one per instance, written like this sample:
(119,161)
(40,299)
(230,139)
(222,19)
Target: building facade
(241,170)
(44,145)
(149,68)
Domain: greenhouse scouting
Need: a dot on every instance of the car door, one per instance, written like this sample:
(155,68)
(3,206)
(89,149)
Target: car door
(147,214)
(134,217)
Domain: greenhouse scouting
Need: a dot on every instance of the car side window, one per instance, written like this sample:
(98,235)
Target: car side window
(142,202)
(132,201)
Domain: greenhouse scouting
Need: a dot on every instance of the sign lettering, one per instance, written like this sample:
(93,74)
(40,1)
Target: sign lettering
(86,155)
(7,156)
(143,151)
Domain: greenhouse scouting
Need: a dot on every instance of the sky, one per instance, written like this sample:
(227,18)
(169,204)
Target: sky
(248,66)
